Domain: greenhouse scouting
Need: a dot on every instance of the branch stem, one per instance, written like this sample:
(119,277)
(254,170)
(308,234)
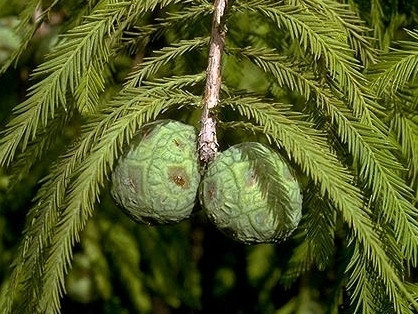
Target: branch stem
(208,144)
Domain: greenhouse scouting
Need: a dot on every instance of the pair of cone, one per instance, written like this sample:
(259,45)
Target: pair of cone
(248,191)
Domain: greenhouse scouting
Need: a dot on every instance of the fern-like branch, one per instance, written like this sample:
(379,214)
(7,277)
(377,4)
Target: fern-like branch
(84,189)
(376,14)
(64,68)
(308,149)
(91,84)
(321,40)
(368,146)
(43,217)
(353,26)
(151,65)
(398,67)
(406,130)
(139,36)
(364,284)
(66,64)
(318,238)
(38,148)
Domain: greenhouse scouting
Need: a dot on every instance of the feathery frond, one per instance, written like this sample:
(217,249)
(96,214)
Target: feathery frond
(398,67)
(320,39)
(38,148)
(63,70)
(320,229)
(343,145)
(406,130)
(140,35)
(44,216)
(318,238)
(309,150)
(163,56)
(353,26)
(151,5)
(84,190)
(364,283)
(376,14)
(368,147)
(87,91)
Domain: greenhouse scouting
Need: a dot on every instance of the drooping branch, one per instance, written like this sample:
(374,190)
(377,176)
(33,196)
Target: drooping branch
(208,144)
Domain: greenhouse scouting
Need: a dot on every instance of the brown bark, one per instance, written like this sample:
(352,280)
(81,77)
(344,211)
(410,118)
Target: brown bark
(208,144)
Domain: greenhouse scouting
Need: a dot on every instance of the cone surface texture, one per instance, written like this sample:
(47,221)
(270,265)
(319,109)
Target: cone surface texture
(157,180)
(250,194)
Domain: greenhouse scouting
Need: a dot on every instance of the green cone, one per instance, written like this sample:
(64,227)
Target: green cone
(249,193)
(156,181)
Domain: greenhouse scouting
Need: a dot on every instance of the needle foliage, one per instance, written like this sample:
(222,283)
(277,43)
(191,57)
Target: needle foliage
(332,86)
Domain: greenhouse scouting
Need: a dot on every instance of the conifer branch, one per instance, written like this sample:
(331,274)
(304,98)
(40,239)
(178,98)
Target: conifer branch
(383,235)
(63,69)
(367,146)
(364,284)
(377,15)
(320,231)
(66,64)
(38,148)
(84,189)
(406,130)
(399,67)
(151,65)
(208,143)
(45,215)
(139,36)
(321,40)
(151,5)
(91,84)
(348,20)
(310,151)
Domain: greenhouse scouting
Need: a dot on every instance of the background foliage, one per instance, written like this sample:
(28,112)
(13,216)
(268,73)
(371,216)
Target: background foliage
(315,78)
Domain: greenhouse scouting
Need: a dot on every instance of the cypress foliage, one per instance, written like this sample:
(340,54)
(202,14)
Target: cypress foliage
(308,76)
